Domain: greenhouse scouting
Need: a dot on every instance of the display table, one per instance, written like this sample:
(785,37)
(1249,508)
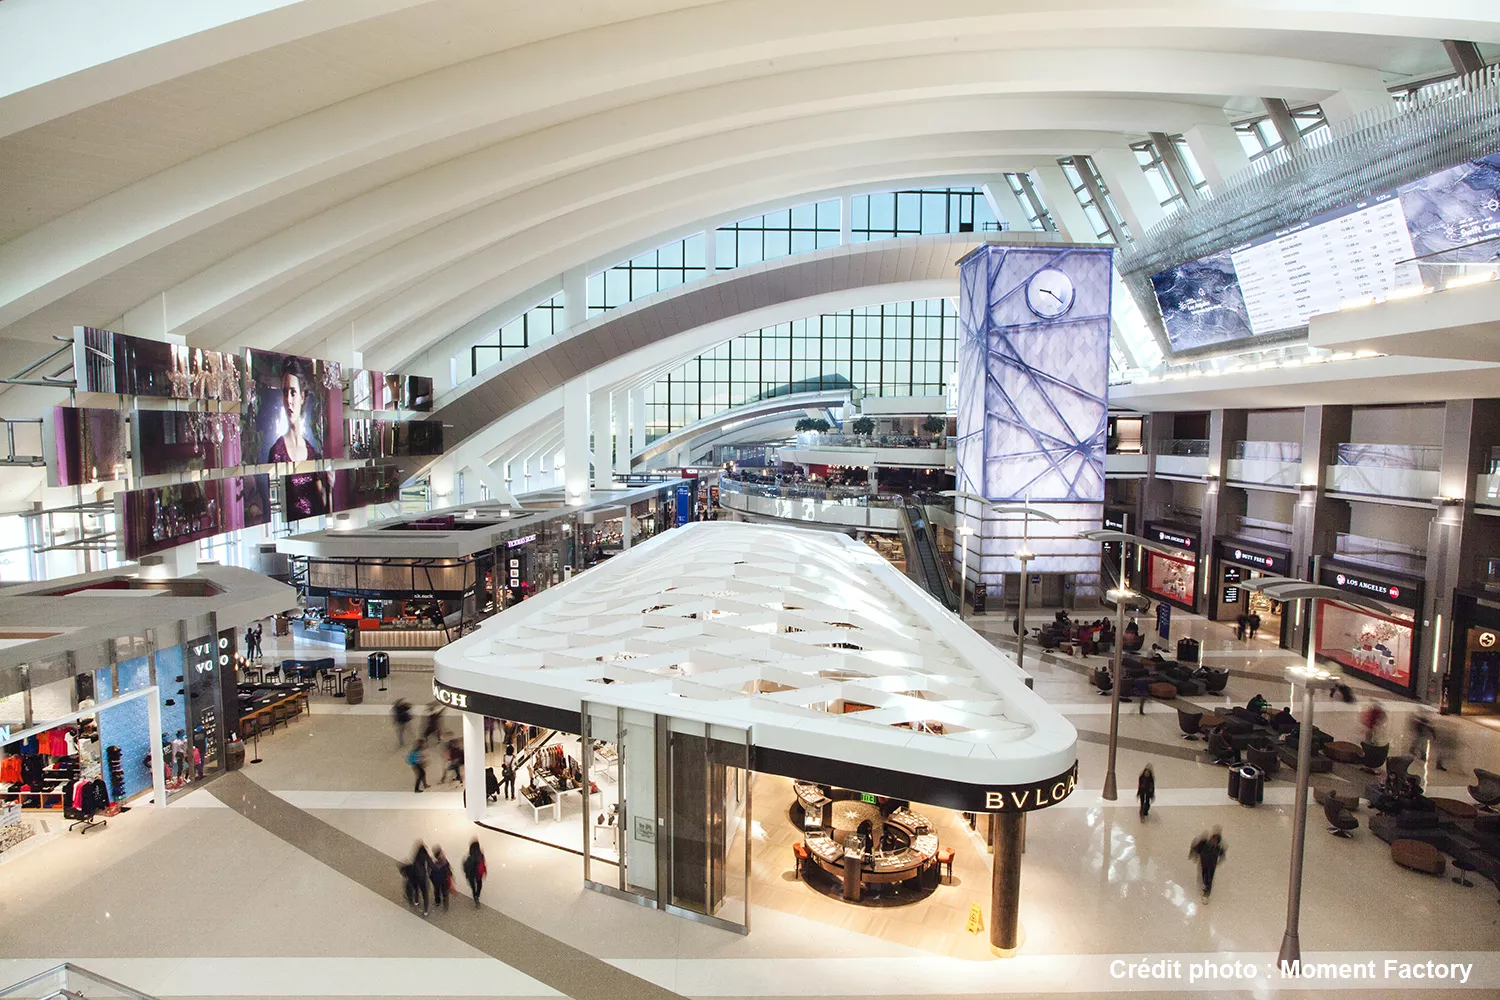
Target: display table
(883,866)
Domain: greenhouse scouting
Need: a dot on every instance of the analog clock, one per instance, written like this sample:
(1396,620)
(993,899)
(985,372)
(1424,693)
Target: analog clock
(1049,293)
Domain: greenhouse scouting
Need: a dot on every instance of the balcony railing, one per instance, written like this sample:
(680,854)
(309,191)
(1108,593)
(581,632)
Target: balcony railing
(1253,529)
(1183,457)
(870,441)
(1379,553)
(1393,470)
(1271,463)
(1196,447)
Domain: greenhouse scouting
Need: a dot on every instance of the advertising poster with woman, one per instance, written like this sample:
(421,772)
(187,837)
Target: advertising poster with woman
(293,409)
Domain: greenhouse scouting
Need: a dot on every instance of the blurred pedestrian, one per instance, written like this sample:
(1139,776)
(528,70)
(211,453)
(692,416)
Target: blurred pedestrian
(1145,790)
(475,870)
(418,872)
(442,878)
(1209,850)
(417,760)
(401,714)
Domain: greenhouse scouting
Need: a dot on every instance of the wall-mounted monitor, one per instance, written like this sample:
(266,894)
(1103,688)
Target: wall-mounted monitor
(111,362)
(313,494)
(365,437)
(1272,285)
(375,391)
(184,441)
(163,517)
(91,445)
(293,409)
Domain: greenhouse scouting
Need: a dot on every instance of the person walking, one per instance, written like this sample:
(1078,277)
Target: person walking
(453,753)
(260,638)
(401,715)
(1254,624)
(475,870)
(250,641)
(1371,721)
(1141,689)
(1239,627)
(1209,850)
(1145,790)
(418,872)
(417,759)
(442,878)
(432,727)
(508,773)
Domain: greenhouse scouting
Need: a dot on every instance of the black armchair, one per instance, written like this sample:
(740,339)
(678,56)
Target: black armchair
(1373,756)
(1340,821)
(1222,749)
(1189,723)
(1486,789)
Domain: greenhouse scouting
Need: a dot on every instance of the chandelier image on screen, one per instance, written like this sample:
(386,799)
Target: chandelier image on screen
(1033,372)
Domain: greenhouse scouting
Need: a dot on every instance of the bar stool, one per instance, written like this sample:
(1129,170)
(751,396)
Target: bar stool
(945,861)
(800,856)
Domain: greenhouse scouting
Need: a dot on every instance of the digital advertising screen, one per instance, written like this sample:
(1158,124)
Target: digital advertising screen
(1274,284)
(293,409)
(166,516)
(365,437)
(185,441)
(91,445)
(116,363)
(372,391)
(313,494)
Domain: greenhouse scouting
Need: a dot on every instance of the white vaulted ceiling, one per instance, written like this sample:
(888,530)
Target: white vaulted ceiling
(283,173)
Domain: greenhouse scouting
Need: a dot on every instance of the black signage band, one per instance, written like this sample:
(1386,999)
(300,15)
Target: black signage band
(1279,563)
(1168,536)
(959,795)
(1406,595)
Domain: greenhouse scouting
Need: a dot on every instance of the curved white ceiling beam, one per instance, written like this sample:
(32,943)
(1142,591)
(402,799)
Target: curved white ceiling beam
(52,69)
(469,183)
(88,243)
(459,254)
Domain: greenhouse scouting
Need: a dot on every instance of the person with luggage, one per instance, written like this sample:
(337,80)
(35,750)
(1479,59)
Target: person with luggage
(474,870)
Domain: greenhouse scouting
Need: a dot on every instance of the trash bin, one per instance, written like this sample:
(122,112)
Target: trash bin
(1187,650)
(380,665)
(1234,782)
(1252,788)
(234,755)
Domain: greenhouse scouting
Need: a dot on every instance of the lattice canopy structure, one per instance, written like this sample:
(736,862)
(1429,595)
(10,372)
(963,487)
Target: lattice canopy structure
(809,638)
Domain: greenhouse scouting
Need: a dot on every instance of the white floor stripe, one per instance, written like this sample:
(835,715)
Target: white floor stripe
(279,976)
(372,800)
(867,977)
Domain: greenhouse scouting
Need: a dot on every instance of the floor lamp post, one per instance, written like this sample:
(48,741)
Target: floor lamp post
(1289,591)
(1122,596)
(964,531)
(1025,555)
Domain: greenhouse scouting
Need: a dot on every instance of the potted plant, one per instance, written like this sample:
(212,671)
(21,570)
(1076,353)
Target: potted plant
(934,425)
(864,426)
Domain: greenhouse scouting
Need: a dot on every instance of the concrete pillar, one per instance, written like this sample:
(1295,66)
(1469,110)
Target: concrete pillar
(1224,428)
(1005,884)
(1128,188)
(1316,519)
(637,420)
(1464,56)
(846,220)
(1171,161)
(1006,206)
(600,417)
(1052,184)
(575,297)
(620,405)
(1218,151)
(576,441)
(158,759)
(474,790)
(1346,104)
(1281,118)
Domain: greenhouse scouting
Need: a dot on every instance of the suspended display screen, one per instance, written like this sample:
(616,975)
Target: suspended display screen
(293,409)
(1274,284)
(312,494)
(166,516)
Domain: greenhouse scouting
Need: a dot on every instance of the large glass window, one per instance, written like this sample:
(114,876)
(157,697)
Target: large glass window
(919,212)
(898,349)
(1376,645)
(667,266)
(777,234)
(1026,193)
(537,323)
(1259,137)
(1074,168)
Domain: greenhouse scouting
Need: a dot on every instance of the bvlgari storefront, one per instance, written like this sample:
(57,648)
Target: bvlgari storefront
(698,685)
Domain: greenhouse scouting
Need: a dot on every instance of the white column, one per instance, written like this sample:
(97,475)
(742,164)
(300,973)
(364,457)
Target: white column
(620,405)
(599,416)
(474,790)
(158,759)
(1218,151)
(442,482)
(1006,206)
(1062,204)
(637,419)
(576,441)
(1128,188)
(846,220)
(487,475)
(575,297)
(1345,104)
(710,251)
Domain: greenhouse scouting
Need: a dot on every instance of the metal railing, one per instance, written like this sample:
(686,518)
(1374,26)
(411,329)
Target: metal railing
(1186,447)
(870,441)
(1253,529)
(72,982)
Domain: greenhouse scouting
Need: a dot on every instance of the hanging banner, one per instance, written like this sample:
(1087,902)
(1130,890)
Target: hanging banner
(684,503)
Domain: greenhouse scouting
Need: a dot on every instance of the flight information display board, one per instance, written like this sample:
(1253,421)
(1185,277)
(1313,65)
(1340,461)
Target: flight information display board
(1277,282)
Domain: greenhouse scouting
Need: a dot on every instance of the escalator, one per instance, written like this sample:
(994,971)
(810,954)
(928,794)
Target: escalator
(922,563)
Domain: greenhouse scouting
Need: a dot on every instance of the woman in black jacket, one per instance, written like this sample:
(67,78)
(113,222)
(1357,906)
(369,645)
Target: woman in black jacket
(1145,790)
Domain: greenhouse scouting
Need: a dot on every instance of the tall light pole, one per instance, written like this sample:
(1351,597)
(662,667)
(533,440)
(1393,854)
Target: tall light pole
(1289,591)
(1025,555)
(964,531)
(1122,596)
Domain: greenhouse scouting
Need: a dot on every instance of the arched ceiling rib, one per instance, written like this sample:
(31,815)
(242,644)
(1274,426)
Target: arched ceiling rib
(384,174)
